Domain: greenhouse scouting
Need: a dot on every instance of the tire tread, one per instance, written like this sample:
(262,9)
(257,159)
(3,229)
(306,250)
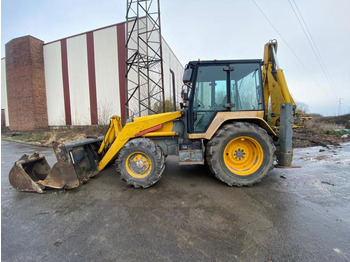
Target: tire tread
(154,150)
(214,144)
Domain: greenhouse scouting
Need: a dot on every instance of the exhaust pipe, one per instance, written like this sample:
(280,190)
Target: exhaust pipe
(76,163)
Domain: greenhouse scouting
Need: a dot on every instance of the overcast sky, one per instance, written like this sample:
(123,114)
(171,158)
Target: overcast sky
(221,29)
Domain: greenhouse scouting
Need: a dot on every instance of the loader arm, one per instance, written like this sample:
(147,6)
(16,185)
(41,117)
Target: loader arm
(274,84)
(116,136)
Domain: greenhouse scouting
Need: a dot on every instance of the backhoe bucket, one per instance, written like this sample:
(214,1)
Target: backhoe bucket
(76,163)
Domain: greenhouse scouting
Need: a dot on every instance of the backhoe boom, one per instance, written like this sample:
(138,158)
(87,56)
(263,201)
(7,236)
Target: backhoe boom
(274,83)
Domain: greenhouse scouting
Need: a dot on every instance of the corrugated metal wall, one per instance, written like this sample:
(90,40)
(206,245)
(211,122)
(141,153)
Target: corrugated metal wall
(171,63)
(78,80)
(54,84)
(4,104)
(105,67)
(107,74)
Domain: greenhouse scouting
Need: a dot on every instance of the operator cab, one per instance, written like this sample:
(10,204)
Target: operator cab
(221,86)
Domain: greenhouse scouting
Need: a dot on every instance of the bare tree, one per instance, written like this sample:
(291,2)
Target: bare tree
(104,112)
(301,106)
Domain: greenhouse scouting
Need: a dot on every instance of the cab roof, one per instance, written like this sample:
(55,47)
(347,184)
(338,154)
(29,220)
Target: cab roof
(239,61)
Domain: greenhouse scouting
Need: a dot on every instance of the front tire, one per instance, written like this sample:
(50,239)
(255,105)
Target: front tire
(140,162)
(240,154)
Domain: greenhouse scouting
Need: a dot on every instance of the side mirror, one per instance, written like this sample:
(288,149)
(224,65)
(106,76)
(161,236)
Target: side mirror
(187,75)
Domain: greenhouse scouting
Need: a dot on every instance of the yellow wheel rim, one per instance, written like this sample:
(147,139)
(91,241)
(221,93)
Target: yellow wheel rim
(243,155)
(138,165)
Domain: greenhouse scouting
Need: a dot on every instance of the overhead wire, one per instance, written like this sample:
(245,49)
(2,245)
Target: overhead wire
(312,43)
(290,49)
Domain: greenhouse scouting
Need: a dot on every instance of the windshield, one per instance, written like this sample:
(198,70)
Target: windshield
(225,87)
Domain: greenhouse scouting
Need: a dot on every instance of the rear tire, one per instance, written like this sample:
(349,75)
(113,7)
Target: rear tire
(240,154)
(140,162)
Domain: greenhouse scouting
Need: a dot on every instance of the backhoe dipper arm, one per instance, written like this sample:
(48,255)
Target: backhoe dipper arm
(274,83)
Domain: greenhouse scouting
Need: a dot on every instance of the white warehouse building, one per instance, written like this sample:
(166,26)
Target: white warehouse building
(77,80)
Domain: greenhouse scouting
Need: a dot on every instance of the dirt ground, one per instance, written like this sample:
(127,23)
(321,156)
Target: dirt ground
(302,138)
(322,131)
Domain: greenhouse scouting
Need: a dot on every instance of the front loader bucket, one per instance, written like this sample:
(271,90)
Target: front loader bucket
(76,163)
(27,171)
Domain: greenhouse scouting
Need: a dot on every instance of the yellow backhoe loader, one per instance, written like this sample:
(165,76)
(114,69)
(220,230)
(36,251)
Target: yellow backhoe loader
(234,115)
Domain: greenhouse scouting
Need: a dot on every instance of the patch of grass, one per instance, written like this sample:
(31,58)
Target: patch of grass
(46,136)
(339,133)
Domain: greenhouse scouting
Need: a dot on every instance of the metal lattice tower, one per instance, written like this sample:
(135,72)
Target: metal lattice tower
(144,75)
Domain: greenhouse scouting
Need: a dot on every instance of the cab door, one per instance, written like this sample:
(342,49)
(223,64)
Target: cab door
(229,86)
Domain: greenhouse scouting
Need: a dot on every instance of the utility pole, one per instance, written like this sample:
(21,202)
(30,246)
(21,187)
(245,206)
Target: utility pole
(339,106)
